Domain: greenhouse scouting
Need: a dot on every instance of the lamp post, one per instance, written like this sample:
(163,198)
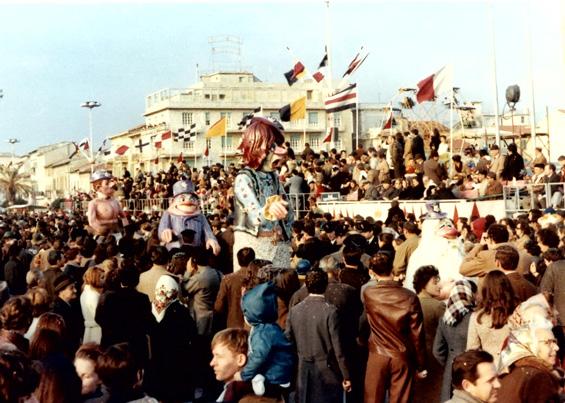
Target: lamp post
(13,142)
(91,105)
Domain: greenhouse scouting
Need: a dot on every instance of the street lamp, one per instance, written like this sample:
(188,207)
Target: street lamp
(91,105)
(13,142)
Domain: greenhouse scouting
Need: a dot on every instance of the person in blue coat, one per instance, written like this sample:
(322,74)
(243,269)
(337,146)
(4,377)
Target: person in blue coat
(270,359)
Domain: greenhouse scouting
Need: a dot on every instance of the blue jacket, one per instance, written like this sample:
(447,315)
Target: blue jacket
(270,353)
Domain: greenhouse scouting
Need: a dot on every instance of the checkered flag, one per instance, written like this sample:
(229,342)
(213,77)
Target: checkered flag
(192,132)
(246,119)
(179,135)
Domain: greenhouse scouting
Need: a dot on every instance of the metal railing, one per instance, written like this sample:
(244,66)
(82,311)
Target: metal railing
(299,202)
(520,197)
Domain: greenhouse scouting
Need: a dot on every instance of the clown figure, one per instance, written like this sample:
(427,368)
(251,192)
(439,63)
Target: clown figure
(262,213)
(184,214)
(440,246)
(104,212)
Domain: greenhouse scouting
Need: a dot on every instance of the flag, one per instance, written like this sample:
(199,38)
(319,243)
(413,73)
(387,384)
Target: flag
(342,100)
(331,135)
(180,158)
(179,134)
(430,87)
(206,151)
(475,212)
(121,150)
(192,132)
(246,119)
(217,129)
(389,122)
(293,111)
(75,152)
(104,148)
(297,72)
(84,144)
(455,216)
(321,72)
(166,135)
(158,144)
(156,160)
(356,62)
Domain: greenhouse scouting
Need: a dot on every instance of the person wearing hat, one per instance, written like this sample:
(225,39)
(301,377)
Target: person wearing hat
(184,214)
(104,212)
(67,305)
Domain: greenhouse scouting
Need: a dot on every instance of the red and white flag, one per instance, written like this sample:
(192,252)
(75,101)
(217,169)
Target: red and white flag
(121,150)
(356,62)
(342,100)
(321,72)
(439,83)
(84,144)
(158,144)
(389,122)
(331,135)
(166,135)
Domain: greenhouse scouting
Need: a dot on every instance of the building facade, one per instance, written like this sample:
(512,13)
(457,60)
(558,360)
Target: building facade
(231,95)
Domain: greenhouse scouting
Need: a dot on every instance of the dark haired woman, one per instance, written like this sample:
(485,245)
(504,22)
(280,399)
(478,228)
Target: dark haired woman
(488,327)
(426,285)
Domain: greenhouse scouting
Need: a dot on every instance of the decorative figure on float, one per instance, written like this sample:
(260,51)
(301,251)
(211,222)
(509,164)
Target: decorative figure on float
(104,212)
(262,214)
(440,246)
(183,217)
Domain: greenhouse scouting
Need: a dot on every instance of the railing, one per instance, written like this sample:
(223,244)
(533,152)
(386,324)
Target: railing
(298,201)
(520,197)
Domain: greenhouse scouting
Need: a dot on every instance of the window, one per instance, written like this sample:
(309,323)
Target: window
(240,79)
(208,144)
(309,95)
(188,145)
(227,115)
(226,142)
(313,118)
(207,96)
(186,118)
(296,142)
(274,115)
(314,140)
(222,96)
(207,118)
(337,119)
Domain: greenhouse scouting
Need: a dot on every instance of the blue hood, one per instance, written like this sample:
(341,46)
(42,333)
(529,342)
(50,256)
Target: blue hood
(259,305)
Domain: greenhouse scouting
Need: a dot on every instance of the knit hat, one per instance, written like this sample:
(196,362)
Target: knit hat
(62,282)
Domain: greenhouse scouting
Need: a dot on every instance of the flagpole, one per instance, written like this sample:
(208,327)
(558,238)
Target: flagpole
(225,144)
(357,120)
(495,83)
(530,76)
(451,129)
(329,79)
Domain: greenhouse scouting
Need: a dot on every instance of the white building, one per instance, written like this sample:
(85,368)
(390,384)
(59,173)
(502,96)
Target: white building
(231,95)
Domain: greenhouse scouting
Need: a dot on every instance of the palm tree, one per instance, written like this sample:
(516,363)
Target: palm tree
(14,183)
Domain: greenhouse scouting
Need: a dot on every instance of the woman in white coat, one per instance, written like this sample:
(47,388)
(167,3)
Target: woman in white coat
(92,288)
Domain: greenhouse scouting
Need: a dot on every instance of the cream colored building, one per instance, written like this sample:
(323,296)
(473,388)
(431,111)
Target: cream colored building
(231,95)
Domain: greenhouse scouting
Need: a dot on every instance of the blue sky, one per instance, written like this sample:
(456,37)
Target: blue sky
(57,55)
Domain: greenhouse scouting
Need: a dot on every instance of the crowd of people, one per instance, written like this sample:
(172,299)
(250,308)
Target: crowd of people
(124,319)
(403,167)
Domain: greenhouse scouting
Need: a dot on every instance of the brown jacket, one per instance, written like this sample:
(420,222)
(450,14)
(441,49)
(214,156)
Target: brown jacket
(522,288)
(479,262)
(403,253)
(228,301)
(530,380)
(395,319)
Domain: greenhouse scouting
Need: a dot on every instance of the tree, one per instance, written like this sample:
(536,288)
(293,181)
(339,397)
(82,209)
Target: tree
(14,183)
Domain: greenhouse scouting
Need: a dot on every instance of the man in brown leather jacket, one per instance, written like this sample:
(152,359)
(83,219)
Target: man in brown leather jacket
(396,342)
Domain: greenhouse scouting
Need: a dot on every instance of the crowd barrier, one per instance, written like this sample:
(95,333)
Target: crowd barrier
(520,197)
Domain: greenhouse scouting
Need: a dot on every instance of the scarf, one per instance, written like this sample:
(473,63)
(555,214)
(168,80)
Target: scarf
(166,292)
(460,302)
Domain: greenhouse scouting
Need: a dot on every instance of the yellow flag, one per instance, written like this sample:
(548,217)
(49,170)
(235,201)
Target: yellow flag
(217,129)
(298,109)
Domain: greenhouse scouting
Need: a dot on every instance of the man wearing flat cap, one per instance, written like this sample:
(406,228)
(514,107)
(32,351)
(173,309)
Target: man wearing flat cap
(184,214)
(104,212)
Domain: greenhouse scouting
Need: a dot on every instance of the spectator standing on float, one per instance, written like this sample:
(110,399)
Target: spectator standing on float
(497,162)
(432,169)
(513,164)
(396,344)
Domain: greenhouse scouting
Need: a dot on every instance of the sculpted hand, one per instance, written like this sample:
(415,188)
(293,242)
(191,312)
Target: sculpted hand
(214,245)
(279,209)
(421,374)
(167,235)
(346,384)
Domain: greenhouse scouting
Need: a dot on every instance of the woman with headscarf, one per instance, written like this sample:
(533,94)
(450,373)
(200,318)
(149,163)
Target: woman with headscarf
(166,376)
(451,334)
(528,361)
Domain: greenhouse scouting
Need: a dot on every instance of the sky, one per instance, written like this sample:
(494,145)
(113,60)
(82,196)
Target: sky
(56,55)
